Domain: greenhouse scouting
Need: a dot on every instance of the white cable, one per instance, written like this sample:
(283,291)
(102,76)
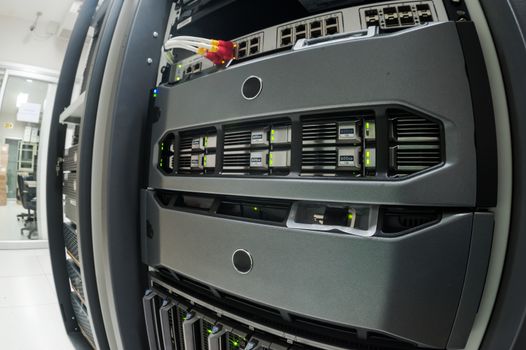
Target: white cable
(192,38)
(188,42)
(181,46)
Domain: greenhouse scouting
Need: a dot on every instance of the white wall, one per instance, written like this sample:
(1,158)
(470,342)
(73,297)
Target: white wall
(19,45)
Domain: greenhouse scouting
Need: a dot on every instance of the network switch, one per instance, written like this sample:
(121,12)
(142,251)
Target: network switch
(387,16)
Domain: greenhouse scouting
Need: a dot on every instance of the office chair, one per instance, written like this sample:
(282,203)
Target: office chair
(28,199)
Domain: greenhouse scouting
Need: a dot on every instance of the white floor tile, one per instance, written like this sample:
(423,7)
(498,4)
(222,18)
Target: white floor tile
(45,264)
(51,282)
(24,252)
(37,327)
(29,313)
(26,291)
(10,228)
(19,265)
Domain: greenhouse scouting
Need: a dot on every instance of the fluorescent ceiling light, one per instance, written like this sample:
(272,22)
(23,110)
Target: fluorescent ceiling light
(21,98)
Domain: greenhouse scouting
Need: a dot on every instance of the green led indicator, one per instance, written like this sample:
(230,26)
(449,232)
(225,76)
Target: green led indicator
(204,160)
(209,331)
(235,343)
(349,216)
(368,161)
(206,141)
(179,66)
(162,146)
(367,125)
(272,138)
(255,208)
(273,131)
(178,78)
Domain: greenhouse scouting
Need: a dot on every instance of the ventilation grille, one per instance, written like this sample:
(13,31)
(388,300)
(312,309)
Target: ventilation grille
(185,149)
(70,159)
(184,163)
(415,143)
(185,144)
(319,133)
(75,279)
(82,319)
(408,128)
(237,139)
(71,241)
(236,161)
(70,185)
(397,221)
(319,159)
(411,158)
(181,316)
(206,329)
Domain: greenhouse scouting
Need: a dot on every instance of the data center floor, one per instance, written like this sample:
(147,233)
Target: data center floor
(29,312)
(10,226)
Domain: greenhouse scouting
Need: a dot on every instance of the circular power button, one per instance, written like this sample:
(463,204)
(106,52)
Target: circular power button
(251,87)
(242,261)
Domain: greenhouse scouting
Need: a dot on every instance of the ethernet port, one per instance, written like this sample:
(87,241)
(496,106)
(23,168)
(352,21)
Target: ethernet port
(315,33)
(331,21)
(197,67)
(315,25)
(254,50)
(391,17)
(301,35)
(286,41)
(424,13)
(188,70)
(372,18)
(242,45)
(286,31)
(331,30)
(241,53)
(301,31)
(407,19)
(406,15)
(254,41)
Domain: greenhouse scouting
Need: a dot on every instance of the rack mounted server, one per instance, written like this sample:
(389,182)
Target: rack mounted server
(324,180)
(330,188)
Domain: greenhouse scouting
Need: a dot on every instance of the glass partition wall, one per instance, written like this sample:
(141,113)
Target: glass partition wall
(26,102)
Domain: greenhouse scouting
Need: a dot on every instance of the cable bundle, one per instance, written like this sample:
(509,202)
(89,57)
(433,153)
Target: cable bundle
(217,51)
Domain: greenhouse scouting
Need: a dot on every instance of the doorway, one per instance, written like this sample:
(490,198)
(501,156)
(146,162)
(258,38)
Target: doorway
(26,101)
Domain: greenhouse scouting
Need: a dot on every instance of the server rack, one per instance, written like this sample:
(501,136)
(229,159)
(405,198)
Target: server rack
(68,203)
(130,114)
